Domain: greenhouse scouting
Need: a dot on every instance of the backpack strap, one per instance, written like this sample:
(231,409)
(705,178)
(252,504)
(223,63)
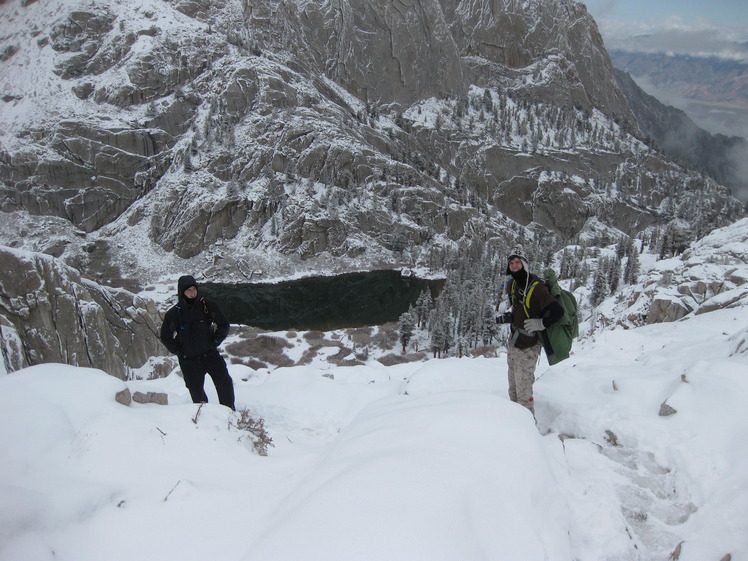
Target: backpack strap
(178,308)
(526,300)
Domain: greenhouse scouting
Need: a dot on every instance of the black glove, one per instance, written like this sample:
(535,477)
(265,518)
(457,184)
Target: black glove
(506,317)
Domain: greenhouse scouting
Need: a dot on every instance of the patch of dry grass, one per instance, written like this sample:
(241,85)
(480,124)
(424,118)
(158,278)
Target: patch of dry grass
(309,355)
(489,351)
(262,348)
(344,357)
(312,336)
(255,429)
(257,348)
(386,336)
(360,335)
(393,359)
(251,363)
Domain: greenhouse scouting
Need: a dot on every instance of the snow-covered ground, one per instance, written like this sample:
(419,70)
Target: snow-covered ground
(426,460)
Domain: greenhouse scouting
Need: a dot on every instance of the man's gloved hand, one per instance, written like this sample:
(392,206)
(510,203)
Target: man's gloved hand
(534,324)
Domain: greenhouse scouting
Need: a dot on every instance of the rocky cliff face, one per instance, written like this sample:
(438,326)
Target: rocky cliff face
(48,313)
(354,133)
(389,52)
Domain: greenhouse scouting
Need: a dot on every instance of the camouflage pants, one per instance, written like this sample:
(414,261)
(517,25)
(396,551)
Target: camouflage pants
(522,363)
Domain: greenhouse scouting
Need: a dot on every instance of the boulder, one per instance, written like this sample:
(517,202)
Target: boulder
(666,309)
(124,397)
(666,410)
(159,398)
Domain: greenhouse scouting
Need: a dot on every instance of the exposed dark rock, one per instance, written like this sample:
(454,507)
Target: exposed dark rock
(124,397)
(666,309)
(666,410)
(158,398)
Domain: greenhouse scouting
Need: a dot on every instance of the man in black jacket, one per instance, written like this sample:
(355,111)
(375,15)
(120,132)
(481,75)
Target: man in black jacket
(192,330)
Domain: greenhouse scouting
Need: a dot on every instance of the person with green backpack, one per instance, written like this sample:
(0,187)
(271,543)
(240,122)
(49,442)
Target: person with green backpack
(533,311)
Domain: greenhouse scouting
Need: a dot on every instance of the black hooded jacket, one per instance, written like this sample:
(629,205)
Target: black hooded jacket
(193,328)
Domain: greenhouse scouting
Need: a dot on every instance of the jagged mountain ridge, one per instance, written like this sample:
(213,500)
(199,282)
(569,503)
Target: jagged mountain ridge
(289,135)
(722,157)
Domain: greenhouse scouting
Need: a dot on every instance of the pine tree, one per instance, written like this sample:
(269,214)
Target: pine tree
(188,167)
(489,327)
(441,327)
(622,247)
(614,275)
(488,101)
(599,287)
(423,305)
(448,330)
(437,339)
(664,245)
(406,327)
(631,272)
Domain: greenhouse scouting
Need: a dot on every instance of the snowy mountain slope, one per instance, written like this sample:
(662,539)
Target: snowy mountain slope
(708,276)
(686,463)
(185,135)
(711,274)
(293,136)
(419,460)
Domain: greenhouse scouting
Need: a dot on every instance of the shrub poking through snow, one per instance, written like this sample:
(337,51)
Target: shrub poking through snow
(256,429)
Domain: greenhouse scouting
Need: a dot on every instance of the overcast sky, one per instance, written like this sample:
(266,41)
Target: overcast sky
(697,27)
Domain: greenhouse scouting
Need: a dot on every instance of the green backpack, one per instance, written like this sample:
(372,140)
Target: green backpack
(558,337)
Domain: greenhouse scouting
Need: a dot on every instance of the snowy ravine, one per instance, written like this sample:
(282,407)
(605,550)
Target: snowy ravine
(425,460)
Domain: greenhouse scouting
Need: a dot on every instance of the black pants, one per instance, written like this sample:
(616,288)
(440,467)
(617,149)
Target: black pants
(194,371)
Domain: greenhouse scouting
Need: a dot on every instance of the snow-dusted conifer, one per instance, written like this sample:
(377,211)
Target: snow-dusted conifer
(406,326)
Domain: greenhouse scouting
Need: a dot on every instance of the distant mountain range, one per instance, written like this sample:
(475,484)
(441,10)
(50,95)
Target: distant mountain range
(713,91)
(721,157)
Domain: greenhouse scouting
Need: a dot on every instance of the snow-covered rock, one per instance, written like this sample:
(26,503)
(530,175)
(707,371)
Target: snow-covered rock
(712,274)
(49,313)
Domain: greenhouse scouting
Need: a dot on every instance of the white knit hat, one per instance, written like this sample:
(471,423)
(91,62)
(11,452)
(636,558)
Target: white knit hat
(517,252)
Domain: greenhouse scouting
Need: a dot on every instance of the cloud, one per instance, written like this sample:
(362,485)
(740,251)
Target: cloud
(605,8)
(738,157)
(676,37)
